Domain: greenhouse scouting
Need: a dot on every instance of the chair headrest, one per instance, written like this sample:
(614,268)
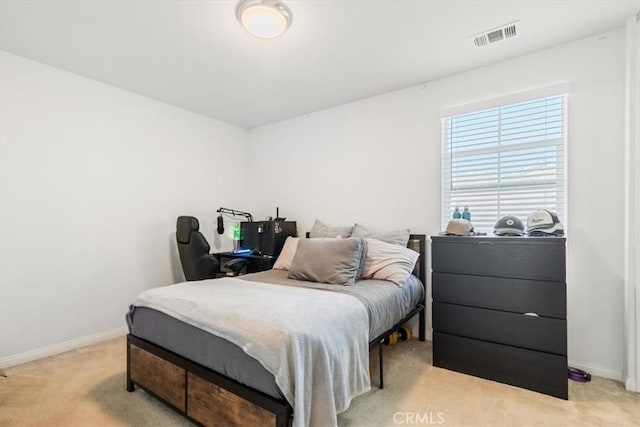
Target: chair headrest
(184,227)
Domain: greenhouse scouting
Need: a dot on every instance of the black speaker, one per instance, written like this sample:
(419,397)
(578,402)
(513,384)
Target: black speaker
(266,237)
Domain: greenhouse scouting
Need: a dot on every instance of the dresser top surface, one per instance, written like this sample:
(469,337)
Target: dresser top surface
(509,239)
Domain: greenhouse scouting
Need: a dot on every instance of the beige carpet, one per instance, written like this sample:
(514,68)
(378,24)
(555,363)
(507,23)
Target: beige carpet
(86,387)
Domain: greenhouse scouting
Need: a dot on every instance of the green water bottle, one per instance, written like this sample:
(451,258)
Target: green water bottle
(466,214)
(457,214)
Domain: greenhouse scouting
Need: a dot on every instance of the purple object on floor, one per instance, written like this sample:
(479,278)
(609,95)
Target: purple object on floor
(579,375)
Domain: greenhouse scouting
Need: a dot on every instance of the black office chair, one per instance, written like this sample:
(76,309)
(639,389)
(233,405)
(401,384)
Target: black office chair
(197,262)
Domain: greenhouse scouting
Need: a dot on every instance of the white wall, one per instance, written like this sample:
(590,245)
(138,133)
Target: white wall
(632,214)
(93,177)
(377,161)
(634,383)
(92,180)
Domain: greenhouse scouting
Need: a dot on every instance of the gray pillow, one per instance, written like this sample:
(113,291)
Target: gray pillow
(320,229)
(396,237)
(327,261)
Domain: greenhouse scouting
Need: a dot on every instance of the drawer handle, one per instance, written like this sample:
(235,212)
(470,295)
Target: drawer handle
(531,314)
(486,243)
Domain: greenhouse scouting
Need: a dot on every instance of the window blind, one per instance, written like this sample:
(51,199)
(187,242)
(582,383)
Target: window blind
(507,160)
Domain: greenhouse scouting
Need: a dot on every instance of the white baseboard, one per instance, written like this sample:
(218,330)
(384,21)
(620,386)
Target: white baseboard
(52,350)
(416,331)
(631,385)
(598,372)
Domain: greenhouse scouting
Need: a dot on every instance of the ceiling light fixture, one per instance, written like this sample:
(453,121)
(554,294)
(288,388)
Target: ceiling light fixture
(264,18)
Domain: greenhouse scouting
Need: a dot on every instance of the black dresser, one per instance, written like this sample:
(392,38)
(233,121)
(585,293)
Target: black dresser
(500,309)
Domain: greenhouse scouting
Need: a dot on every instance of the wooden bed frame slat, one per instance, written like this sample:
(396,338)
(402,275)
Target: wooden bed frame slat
(223,401)
(210,404)
(212,399)
(165,379)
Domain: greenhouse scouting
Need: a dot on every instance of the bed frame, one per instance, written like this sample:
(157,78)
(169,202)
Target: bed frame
(212,399)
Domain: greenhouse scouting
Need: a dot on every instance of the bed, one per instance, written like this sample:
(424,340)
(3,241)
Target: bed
(213,379)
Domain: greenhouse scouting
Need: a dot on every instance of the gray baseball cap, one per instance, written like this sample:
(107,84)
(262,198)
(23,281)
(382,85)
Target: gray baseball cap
(509,225)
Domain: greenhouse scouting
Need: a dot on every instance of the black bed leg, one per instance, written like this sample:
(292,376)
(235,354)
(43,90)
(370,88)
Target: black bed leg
(422,325)
(380,352)
(130,386)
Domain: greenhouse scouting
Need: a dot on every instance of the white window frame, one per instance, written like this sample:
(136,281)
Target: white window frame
(561,89)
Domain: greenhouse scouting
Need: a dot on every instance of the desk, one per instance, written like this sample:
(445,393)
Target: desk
(256,262)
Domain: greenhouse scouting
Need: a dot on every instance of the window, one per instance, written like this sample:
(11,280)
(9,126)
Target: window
(505,160)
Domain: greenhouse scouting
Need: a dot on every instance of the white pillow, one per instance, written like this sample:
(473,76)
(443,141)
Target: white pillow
(386,261)
(286,254)
(289,249)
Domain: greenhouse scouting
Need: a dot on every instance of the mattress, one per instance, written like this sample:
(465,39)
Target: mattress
(385,302)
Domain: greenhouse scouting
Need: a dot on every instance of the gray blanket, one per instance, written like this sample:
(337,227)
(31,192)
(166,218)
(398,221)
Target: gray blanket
(314,342)
(385,301)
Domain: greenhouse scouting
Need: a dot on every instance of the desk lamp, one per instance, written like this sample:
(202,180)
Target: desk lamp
(237,230)
(237,236)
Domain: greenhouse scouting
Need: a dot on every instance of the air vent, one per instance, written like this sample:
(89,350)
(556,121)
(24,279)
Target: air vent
(495,35)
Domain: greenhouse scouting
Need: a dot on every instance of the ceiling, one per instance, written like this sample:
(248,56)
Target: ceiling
(195,55)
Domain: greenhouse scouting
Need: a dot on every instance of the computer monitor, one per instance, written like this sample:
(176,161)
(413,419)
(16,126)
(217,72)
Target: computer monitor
(266,237)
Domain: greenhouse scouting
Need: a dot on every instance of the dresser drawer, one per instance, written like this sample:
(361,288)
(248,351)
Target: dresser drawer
(535,333)
(515,257)
(542,372)
(517,295)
